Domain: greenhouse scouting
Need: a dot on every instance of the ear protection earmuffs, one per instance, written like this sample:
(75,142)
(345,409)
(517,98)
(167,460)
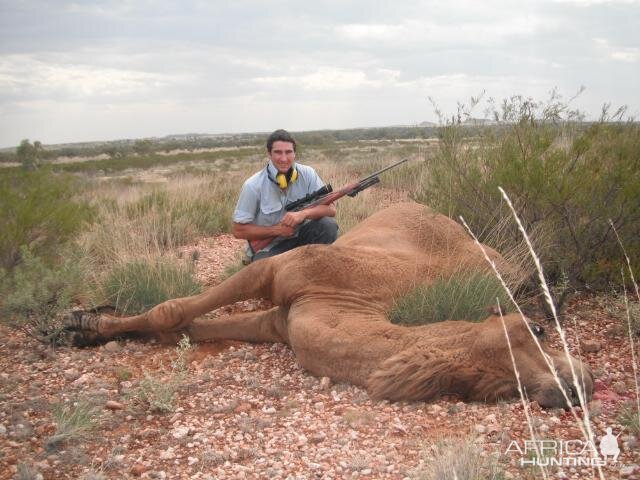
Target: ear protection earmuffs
(284,179)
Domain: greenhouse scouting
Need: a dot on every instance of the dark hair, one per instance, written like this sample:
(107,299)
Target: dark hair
(280,136)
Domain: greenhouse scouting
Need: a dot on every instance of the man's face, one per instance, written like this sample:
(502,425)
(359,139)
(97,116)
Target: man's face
(282,155)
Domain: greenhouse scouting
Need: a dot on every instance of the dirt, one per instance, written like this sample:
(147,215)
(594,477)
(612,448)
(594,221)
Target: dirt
(249,411)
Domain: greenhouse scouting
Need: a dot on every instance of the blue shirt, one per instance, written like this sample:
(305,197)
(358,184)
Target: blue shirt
(261,201)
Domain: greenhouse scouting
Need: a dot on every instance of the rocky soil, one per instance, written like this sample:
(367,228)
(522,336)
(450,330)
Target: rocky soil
(249,411)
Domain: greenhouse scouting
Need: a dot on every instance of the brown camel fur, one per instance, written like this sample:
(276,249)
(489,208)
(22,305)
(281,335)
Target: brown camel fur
(331,304)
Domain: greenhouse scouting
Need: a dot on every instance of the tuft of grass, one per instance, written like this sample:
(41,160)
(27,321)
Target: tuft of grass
(457,459)
(138,285)
(74,421)
(463,296)
(26,471)
(160,393)
(630,418)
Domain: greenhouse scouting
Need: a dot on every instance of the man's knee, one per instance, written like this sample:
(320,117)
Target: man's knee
(323,230)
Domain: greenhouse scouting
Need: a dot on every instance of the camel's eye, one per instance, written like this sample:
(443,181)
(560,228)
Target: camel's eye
(537,330)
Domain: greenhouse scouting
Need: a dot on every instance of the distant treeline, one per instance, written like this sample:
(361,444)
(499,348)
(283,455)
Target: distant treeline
(125,148)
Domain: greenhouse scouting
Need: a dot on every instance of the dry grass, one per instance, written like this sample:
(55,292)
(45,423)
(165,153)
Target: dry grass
(457,459)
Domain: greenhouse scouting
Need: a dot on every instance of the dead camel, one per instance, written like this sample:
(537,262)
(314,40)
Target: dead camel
(331,303)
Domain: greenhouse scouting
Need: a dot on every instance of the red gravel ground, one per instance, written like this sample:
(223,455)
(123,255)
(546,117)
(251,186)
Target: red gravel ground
(249,411)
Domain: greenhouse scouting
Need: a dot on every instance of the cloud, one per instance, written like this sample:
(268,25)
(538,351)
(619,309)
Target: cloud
(617,52)
(26,76)
(329,78)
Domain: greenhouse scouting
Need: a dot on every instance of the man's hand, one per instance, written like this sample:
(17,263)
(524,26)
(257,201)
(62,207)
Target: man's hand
(293,219)
(285,231)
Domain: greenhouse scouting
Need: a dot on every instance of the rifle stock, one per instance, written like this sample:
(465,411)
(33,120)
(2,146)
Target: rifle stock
(351,190)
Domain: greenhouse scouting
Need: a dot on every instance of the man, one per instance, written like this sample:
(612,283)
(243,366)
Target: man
(260,211)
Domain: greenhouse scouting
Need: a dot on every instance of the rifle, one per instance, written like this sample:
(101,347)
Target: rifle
(326,196)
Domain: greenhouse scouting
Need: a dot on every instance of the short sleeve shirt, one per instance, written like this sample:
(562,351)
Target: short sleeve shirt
(261,201)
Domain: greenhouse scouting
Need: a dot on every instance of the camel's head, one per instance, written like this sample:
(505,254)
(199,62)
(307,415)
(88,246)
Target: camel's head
(498,379)
(472,361)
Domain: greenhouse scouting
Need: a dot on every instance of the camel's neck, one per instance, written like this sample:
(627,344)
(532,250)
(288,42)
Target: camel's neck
(348,348)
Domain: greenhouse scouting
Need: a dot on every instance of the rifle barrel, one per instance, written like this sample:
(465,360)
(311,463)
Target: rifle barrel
(383,170)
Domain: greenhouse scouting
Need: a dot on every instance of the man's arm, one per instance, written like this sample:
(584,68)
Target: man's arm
(293,219)
(249,231)
(286,227)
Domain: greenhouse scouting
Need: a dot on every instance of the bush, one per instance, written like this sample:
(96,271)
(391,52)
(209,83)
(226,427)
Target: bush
(38,211)
(160,393)
(136,286)
(464,296)
(564,176)
(36,293)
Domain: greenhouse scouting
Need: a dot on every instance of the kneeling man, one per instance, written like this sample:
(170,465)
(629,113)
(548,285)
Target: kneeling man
(260,211)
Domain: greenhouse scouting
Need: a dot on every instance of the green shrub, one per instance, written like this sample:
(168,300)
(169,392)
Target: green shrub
(136,286)
(460,297)
(160,393)
(564,176)
(36,293)
(39,211)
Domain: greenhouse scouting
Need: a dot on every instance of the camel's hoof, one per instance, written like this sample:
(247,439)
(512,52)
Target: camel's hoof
(85,327)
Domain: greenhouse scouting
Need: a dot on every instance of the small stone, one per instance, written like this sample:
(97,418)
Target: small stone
(627,471)
(192,460)
(325,383)
(71,374)
(160,475)
(138,469)
(167,454)
(180,432)
(3,430)
(84,379)
(480,429)
(112,346)
(619,387)
(318,437)
(590,346)
(243,407)
(113,405)
(302,440)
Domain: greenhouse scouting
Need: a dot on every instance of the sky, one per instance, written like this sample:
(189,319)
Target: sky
(103,70)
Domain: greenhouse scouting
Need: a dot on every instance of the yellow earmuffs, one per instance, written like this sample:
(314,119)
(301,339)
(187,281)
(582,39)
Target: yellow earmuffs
(284,179)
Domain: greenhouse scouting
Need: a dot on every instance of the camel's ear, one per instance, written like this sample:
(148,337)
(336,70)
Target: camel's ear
(415,374)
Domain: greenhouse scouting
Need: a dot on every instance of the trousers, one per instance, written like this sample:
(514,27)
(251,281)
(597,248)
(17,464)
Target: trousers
(324,230)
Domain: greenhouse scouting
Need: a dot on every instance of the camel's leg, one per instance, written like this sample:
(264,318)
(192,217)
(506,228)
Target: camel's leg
(269,326)
(253,281)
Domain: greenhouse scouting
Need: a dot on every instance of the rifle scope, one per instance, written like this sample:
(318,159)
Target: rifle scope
(302,202)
